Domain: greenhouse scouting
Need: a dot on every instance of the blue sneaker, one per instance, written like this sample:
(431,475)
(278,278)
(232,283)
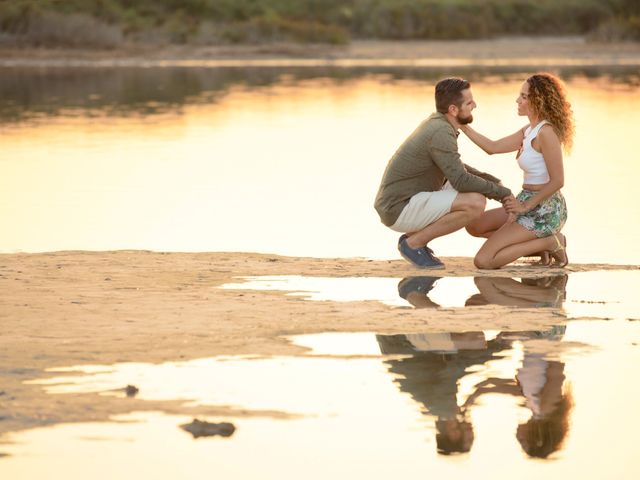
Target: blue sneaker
(404,236)
(422,285)
(420,257)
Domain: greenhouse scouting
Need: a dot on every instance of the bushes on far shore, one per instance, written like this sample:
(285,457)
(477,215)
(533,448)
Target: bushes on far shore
(109,23)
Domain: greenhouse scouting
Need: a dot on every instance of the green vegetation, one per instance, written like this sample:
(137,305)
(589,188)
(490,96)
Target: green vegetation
(107,23)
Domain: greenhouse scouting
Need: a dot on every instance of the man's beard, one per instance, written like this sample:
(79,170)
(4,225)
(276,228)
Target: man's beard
(464,120)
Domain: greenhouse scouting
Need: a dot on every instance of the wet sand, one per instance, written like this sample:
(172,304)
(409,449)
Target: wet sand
(95,308)
(538,52)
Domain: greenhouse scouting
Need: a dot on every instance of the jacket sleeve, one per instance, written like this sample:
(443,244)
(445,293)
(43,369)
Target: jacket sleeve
(478,173)
(444,152)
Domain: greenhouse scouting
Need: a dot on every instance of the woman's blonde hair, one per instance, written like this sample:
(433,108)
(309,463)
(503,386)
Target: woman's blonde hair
(548,101)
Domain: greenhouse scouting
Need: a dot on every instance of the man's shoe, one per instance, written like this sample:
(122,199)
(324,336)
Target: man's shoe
(404,236)
(422,285)
(420,257)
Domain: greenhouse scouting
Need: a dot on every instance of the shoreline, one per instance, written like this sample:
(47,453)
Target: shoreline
(523,52)
(97,308)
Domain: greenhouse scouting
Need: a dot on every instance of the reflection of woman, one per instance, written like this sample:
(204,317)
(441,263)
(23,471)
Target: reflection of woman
(530,292)
(531,222)
(540,382)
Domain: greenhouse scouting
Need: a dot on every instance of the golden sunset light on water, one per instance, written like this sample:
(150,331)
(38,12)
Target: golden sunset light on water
(298,162)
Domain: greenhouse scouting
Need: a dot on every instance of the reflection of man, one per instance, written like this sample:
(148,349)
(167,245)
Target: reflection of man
(431,376)
(439,360)
(415,290)
(413,197)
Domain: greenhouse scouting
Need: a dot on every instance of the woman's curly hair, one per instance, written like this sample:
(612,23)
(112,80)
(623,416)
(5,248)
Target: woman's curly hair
(548,101)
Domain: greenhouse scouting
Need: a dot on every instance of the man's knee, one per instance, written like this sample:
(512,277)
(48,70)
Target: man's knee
(478,202)
(473,203)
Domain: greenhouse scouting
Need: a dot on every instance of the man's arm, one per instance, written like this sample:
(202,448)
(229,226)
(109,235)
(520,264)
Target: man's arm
(478,173)
(444,152)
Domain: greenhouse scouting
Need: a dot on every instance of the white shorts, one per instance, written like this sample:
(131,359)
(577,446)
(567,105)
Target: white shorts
(424,208)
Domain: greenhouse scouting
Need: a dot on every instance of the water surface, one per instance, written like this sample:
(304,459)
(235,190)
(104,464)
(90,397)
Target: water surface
(447,403)
(277,160)
(536,402)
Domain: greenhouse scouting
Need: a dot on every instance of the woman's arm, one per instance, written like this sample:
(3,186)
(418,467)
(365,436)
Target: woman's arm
(493,385)
(552,153)
(504,145)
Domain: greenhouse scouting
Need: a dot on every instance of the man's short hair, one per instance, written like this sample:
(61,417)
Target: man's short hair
(449,92)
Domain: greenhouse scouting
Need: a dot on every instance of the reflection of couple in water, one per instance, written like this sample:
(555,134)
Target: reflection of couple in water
(439,360)
(546,291)
(427,192)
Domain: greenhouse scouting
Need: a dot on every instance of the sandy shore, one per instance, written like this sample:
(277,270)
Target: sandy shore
(70,308)
(512,51)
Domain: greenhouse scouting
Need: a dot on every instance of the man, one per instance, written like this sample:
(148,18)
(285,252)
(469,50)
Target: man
(413,197)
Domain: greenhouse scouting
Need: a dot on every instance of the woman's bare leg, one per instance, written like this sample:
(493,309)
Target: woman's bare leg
(490,221)
(509,243)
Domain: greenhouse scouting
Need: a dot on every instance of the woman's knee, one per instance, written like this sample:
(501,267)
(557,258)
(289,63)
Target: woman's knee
(474,230)
(484,261)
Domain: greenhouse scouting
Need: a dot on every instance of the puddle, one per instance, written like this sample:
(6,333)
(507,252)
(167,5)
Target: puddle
(447,403)
(610,294)
(534,403)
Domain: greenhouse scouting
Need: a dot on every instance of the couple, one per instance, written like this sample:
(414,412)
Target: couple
(427,192)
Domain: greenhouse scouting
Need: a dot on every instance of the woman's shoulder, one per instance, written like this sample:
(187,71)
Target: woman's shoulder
(547,130)
(547,133)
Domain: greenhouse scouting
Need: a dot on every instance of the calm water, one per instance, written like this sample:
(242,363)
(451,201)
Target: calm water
(558,402)
(276,160)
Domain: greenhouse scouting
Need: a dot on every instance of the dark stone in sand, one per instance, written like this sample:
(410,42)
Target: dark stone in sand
(131,390)
(198,428)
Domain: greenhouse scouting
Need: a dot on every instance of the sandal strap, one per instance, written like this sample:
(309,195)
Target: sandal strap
(559,246)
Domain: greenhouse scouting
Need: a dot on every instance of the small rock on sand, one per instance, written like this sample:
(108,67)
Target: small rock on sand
(131,390)
(198,428)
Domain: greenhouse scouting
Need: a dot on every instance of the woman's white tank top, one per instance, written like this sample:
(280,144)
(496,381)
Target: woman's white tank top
(532,161)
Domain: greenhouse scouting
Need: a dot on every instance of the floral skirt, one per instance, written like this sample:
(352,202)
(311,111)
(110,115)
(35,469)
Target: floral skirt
(547,218)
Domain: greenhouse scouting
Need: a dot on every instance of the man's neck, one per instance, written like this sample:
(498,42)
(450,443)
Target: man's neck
(452,120)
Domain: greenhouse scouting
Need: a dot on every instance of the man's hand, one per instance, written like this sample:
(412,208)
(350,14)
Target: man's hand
(508,204)
(512,205)
(506,199)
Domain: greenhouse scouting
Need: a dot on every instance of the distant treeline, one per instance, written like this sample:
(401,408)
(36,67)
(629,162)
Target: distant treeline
(108,23)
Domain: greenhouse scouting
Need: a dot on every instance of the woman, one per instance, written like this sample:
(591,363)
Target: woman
(530,223)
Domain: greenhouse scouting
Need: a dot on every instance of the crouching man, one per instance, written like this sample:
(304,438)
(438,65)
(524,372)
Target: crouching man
(426,191)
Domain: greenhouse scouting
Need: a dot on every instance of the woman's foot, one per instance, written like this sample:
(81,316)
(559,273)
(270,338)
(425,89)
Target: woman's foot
(545,259)
(559,255)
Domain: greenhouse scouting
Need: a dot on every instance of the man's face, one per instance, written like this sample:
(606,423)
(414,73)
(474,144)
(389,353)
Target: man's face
(464,116)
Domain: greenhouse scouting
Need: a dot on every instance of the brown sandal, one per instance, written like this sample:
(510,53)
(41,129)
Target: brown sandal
(560,253)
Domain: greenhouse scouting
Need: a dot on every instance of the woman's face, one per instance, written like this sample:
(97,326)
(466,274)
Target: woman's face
(523,100)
